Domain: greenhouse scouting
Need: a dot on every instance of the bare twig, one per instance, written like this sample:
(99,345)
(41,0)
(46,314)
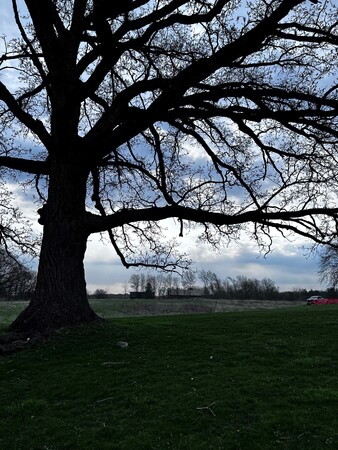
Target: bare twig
(108,363)
(208,408)
(104,399)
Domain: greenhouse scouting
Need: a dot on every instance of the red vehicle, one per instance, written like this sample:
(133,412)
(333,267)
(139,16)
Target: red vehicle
(318,300)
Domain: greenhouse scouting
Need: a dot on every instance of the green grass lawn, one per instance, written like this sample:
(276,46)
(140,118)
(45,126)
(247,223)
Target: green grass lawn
(237,380)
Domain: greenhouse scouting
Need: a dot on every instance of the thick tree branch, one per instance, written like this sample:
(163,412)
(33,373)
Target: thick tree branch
(126,216)
(43,19)
(308,34)
(25,165)
(33,54)
(174,89)
(244,45)
(35,125)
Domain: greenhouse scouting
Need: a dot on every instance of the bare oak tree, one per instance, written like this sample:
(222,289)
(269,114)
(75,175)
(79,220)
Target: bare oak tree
(216,112)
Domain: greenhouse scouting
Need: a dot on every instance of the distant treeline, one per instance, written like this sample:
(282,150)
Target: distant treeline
(208,285)
(17,282)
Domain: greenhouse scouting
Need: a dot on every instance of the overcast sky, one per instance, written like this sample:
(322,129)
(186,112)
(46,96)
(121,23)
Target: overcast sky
(286,265)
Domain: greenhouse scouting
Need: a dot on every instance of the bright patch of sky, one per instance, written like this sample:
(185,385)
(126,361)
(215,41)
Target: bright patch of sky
(287,265)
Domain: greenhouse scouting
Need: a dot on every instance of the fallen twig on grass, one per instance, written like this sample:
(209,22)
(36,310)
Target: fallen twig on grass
(107,363)
(104,399)
(208,408)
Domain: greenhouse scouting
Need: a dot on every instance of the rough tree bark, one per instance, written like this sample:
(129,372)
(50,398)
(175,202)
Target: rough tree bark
(60,297)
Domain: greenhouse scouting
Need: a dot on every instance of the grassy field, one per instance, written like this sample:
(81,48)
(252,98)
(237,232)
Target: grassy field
(264,379)
(109,308)
(113,308)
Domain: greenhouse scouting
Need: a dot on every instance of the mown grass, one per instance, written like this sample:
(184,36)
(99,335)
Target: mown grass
(9,311)
(269,378)
(113,308)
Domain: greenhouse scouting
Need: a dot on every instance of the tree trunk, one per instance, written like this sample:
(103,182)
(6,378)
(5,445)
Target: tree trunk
(60,297)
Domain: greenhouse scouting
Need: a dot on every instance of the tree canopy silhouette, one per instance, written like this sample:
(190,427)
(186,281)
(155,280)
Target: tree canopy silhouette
(216,112)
